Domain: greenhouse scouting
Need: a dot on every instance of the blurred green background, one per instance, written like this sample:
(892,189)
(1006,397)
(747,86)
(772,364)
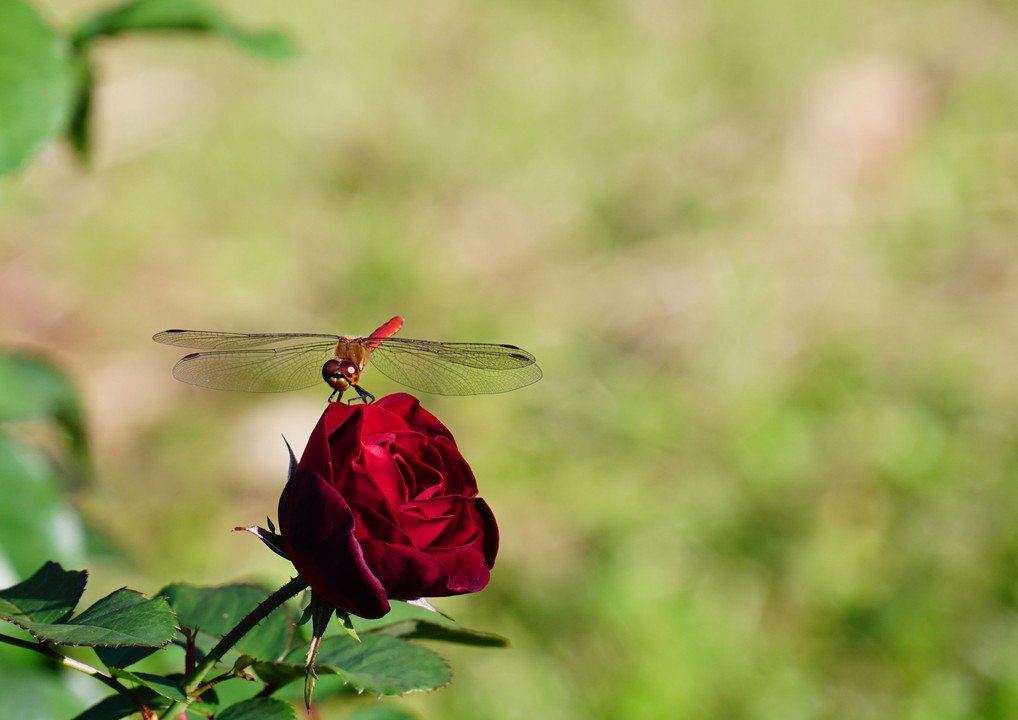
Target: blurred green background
(765,253)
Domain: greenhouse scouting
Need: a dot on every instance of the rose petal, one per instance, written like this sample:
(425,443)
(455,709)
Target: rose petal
(380,468)
(466,570)
(377,420)
(485,521)
(406,573)
(417,418)
(317,528)
(458,477)
(459,530)
(428,530)
(374,522)
(316,453)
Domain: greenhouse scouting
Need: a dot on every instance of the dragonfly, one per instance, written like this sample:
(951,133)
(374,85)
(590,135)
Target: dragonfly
(278,362)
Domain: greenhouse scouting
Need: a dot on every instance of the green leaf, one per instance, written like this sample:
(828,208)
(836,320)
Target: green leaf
(123,617)
(182,15)
(123,657)
(215,611)
(37,84)
(257,709)
(380,665)
(117,706)
(167,687)
(413,622)
(415,629)
(383,665)
(128,613)
(49,596)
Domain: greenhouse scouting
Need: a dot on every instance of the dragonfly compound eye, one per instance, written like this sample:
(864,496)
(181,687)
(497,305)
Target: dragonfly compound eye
(340,374)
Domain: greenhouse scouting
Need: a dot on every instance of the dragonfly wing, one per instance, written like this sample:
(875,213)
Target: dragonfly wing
(258,370)
(210,340)
(455,368)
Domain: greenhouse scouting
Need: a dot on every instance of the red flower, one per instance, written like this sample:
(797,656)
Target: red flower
(382,505)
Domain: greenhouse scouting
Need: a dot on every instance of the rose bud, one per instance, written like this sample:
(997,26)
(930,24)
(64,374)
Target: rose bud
(383,506)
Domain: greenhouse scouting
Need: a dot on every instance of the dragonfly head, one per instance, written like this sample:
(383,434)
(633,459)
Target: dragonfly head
(340,374)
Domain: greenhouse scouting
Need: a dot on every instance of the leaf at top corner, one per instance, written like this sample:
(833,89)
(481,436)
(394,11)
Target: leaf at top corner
(49,596)
(35,394)
(182,15)
(257,709)
(214,611)
(79,127)
(379,665)
(31,386)
(37,84)
(123,617)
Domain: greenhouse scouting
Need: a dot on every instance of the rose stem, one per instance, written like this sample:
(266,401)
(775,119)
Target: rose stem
(261,612)
(70,662)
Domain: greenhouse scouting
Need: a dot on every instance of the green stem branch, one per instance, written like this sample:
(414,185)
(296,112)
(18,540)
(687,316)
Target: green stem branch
(48,651)
(273,601)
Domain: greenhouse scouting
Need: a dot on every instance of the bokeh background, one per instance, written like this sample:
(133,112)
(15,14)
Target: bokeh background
(765,252)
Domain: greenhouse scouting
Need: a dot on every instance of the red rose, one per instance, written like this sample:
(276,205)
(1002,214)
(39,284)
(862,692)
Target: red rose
(382,505)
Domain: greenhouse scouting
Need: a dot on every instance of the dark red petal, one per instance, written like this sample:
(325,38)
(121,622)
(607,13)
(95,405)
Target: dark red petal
(347,429)
(462,531)
(317,528)
(406,572)
(316,453)
(384,472)
(421,479)
(365,485)
(417,418)
(485,520)
(459,478)
(344,447)
(376,419)
(379,523)
(426,522)
(466,570)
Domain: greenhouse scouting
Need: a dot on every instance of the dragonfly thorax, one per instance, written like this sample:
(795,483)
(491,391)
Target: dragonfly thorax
(340,374)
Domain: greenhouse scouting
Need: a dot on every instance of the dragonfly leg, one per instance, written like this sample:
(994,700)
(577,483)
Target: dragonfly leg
(337,394)
(363,395)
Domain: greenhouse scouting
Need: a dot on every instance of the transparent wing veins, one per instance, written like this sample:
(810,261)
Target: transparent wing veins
(455,368)
(259,370)
(211,340)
